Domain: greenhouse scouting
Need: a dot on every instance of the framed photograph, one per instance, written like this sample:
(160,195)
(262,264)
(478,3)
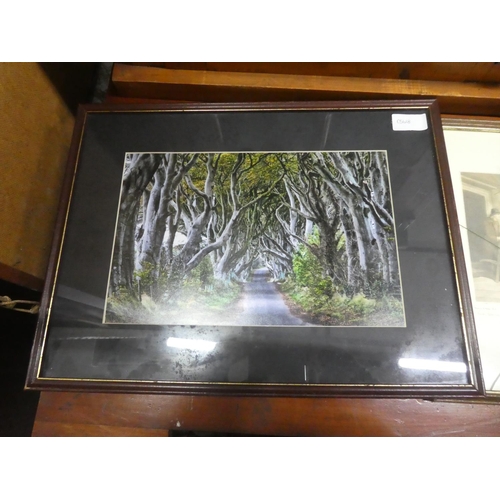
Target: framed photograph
(474,154)
(301,249)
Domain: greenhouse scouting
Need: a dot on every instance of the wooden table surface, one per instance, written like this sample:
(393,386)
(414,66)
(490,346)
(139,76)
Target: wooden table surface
(88,414)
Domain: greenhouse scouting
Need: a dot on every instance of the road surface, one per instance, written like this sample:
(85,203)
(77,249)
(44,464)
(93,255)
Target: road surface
(263,304)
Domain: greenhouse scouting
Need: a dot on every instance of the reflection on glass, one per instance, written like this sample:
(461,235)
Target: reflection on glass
(191,344)
(432,364)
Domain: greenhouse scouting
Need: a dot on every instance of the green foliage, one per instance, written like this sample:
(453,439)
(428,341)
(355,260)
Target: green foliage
(389,312)
(308,271)
(316,296)
(197,295)
(124,307)
(306,267)
(199,281)
(330,310)
(376,287)
(201,277)
(221,295)
(145,275)
(202,288)
(340,309)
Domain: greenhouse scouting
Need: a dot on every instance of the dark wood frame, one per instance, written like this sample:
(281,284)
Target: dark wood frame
(474,389)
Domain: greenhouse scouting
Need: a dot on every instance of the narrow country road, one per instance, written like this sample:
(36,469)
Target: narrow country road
(263,304)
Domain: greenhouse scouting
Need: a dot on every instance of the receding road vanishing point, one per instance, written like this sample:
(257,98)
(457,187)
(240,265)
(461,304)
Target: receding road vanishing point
(263,304)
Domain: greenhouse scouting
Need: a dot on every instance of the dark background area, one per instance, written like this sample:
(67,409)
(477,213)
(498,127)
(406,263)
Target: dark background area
(79,83)
(17,406)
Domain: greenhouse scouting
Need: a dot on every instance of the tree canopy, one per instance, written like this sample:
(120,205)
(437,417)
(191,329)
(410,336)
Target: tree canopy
(325,213)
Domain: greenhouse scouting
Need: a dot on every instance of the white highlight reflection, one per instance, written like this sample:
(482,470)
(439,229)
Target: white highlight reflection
(192,344)
(432,364)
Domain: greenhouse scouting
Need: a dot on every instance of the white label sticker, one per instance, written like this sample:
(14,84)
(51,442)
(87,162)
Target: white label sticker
(409,122)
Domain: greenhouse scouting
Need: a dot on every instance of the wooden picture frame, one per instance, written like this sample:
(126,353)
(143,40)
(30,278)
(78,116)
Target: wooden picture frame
(379,172)
(473,147)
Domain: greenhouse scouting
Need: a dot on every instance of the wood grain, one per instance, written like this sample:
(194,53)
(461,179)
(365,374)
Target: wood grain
(90,430)
(487,72)
(13,275)
(219,86)
(76,414)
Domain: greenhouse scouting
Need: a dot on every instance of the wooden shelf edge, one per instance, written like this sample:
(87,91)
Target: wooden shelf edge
(218,86)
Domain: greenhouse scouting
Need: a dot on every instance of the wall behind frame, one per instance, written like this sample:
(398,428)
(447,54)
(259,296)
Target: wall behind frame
(35,135)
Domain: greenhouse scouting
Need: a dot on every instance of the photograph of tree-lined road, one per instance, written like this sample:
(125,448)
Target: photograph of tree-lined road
(271,238)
